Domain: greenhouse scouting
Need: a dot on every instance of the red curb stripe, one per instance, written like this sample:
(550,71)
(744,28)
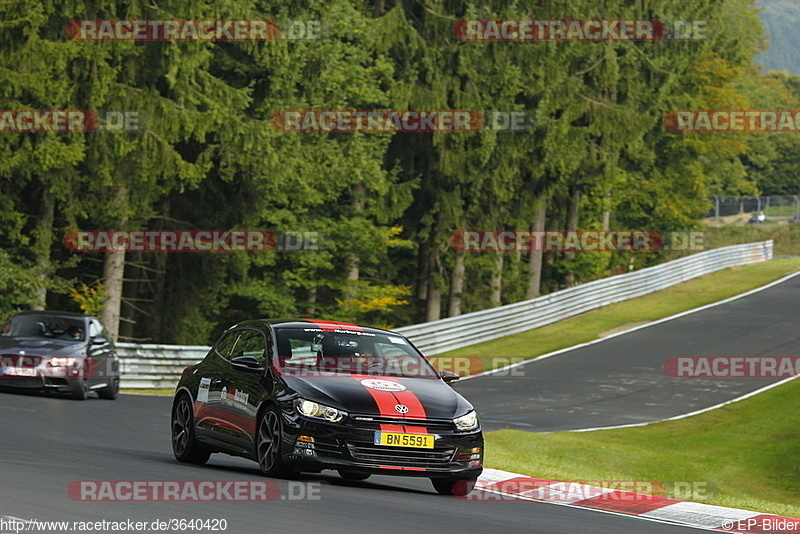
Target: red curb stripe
(627,502)
(517,485)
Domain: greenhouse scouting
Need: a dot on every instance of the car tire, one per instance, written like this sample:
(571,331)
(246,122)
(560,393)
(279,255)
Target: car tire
(111,391)
(352,475)
(80,390)
(184,444)
(269,436)
(453,486)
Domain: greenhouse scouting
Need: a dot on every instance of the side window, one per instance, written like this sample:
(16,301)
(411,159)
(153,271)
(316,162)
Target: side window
(225,345)
(251,343)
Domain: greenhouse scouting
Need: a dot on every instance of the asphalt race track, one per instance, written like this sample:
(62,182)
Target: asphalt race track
(49,442)
(621,380)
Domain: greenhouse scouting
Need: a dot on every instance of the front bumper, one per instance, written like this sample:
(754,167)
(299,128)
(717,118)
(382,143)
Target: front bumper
(350,446)
(43,383)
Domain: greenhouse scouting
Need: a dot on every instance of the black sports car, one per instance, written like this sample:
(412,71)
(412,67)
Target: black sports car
(58,352)
(301,395)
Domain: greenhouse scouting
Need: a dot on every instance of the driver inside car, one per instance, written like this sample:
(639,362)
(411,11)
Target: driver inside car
(365,358)
(75,333)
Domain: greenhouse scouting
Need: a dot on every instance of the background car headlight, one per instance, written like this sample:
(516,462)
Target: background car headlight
(62,362)
(468,421)
(319,411)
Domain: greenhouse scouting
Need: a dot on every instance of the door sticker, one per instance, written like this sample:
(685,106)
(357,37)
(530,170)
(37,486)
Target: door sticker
(202,391)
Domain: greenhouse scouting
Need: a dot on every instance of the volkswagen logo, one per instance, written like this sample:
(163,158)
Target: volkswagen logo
(402,408)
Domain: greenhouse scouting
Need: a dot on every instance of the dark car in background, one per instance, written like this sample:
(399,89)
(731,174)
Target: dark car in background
(58,352)
(299,395)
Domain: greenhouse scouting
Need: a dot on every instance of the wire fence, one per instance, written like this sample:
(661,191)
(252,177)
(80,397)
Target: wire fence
(728,210)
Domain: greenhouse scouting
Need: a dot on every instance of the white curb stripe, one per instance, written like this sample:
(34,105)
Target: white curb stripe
(701,515)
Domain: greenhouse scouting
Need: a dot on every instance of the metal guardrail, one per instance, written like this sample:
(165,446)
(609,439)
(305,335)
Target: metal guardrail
(158,366)
(457,332)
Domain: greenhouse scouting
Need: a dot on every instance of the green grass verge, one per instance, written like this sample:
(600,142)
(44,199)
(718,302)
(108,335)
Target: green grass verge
(590,325)
(152,391)
(786,236)
(749,451)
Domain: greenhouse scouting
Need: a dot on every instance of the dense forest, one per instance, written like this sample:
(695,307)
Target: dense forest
(384,205)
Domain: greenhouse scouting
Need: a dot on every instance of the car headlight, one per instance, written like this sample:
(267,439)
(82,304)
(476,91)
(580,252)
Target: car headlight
(320,411)
(62,362)
(466,422)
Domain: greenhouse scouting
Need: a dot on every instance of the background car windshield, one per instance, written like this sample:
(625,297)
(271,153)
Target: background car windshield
(315,350)
(44,326)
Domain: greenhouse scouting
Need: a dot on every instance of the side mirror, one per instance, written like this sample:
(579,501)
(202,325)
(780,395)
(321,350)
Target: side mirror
(449,376)
(246,363)
(99,340)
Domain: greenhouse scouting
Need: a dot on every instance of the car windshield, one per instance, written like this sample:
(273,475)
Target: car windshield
(309,351)
(45,326)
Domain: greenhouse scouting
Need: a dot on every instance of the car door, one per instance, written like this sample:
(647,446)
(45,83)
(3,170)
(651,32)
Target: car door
(211,417)
(245,387)
(102,363)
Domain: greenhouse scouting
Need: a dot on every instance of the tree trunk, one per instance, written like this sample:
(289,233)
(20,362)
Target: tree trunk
(607,213)
(43,239)
(378,9)
(496,283)
(572,217)
(456,286)
(113,274)
(135,276)
(423,271)
(351,261)
(312,300)
(572,225)
(535,258)
(433,302)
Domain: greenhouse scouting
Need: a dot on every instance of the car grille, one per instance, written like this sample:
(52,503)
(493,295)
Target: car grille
(326,447)
(21,382)
(374,423)
(401,456)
